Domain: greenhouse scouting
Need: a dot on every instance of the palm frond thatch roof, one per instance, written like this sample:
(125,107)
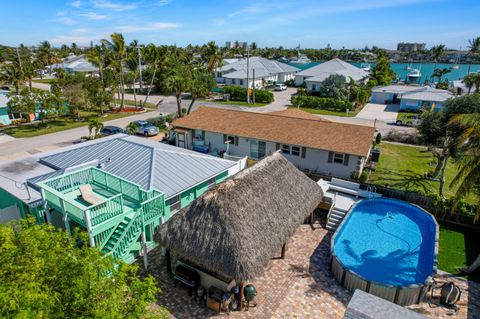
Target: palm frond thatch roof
(237,227)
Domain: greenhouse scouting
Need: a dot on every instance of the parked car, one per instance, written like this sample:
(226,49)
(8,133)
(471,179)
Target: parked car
(411,120)
(110,130)
(145,128)
(280,87)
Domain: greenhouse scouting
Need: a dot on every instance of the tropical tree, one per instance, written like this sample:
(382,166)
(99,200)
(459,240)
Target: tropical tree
(436,53)
(11,74)
(177,82)
(131,129)
(335,86)
(119,51)
(23,103)
(473,50)
(439,73)
(46,274)
(382,73)
(46,55)
(212,56)
(76,97)
(132,66)
(201,83)
(469,81)
(155,58)
(94,126)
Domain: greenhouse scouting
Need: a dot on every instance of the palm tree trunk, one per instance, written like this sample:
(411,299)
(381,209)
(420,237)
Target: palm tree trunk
(179,105)
(135,95)
(30,84)
(442,177)
(150,86)
(122,87)
(191,105)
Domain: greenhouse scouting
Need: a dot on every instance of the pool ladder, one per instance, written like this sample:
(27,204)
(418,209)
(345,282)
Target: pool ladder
(371,190)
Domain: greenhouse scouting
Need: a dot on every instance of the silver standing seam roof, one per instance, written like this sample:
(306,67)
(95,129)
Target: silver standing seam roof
(322,71)
(167,168)
(267,66)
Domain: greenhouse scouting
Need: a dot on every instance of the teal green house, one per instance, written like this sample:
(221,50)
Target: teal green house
(137,185)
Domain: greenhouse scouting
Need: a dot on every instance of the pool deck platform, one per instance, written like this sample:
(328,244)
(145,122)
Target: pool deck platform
(299,286)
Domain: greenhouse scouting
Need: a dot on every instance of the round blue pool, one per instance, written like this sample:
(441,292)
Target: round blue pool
(386,247)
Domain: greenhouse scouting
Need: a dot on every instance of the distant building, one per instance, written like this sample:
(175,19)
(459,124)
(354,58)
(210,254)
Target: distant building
(73,64)
(410,47)
(236,45)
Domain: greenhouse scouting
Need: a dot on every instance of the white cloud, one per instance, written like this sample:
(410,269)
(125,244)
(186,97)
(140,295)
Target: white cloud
(146,27)
(219,22)
(93,16)
(247,10)
(75,4)
(81,30)
(163,2)
(115,6)
(67,39)
(65,20)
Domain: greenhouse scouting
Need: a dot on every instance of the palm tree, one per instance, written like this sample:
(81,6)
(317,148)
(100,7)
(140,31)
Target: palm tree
(212,56)
(96,126)
(473,50)
(118,48)
(437,52)
(177,83)
(200,85)
(439,73)
(11,73)
(96,57)
(132,65)
(467,179)
(469,81)
(154,57)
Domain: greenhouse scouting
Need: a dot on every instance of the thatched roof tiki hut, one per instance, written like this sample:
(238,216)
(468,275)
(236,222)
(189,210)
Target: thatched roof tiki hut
(234,229)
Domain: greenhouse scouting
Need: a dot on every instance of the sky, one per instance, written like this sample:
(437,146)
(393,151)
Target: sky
(272,23)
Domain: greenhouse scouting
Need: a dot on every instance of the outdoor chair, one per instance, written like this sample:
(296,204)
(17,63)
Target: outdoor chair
(87,194)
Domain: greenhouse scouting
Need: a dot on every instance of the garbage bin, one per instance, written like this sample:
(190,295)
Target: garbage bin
(375,155)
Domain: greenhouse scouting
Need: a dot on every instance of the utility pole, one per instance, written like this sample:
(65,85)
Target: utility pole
(253,86)
(248,78)
(140,67)
(19,60)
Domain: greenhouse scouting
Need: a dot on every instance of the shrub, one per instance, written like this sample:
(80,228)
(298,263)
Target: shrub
(403,137)
(290,83)
(238,93)
(378,138)
(321,103)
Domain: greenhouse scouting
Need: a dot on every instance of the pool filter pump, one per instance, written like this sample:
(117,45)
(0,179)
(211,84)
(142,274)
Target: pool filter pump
(450,294)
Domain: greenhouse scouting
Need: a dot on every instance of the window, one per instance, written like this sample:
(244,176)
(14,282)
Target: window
(286,149)
(295,150)
(233,140)
(219,74)
(314,87)
(14,116)
(241,81)
(338,158)
(257,149)
(174,203)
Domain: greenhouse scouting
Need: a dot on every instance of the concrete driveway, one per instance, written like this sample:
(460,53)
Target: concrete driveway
(380,112)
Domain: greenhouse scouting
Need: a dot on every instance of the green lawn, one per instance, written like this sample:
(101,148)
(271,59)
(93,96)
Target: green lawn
(458,247)
(404,116)
(327,112)
(60,124)
(139,101)
(403,167)
(239,103)
(46,81)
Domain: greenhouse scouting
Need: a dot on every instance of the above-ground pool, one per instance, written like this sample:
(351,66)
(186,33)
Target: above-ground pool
(387,248)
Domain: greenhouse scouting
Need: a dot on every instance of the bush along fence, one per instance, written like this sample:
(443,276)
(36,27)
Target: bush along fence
(464,215)
(238,93)
(321,103)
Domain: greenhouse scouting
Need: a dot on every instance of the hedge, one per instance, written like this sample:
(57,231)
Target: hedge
(321,103)
(238,93)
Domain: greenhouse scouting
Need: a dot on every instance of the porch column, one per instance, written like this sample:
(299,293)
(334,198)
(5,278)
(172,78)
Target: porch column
(65,219)
(46,213)
(89,228)
(144,249)
(240,296)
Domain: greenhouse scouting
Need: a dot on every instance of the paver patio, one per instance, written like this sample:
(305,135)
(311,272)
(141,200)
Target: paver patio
(299,286)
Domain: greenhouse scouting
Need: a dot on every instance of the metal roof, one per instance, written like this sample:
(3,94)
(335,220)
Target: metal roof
(150,164)
(396,89)
(334,66)
(428,94)
(269,66)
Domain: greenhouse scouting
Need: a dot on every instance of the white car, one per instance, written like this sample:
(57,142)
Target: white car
(280,87)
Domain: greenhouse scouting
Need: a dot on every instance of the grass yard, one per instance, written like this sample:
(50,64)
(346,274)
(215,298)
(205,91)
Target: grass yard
(139,101)
(405,116)
(327,112)
(403,167)
(46,81)
(458,247)
(61,124)
(238,103)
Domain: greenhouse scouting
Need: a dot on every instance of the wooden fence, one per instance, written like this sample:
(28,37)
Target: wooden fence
(442,214)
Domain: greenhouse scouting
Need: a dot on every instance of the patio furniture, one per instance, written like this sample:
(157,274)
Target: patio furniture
(187,276)
(87,194)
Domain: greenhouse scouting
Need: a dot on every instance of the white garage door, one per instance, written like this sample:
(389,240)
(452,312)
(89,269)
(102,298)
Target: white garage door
(10,213)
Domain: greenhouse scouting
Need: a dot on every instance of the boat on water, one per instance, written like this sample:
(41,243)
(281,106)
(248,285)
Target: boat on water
(301,59)
(414,75)
(366,67)
(283,60)
(455,67)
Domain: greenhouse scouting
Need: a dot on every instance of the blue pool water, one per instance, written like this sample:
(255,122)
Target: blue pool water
(387,241)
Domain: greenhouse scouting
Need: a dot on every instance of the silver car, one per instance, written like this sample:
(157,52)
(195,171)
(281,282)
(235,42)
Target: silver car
(145,128)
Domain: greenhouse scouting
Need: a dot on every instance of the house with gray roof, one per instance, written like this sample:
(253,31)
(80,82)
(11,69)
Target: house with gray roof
(266,72)
(313,76)
(411,97)
(109,185)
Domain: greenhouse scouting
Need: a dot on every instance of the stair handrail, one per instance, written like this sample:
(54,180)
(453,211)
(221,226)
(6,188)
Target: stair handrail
(107,238)
(125,231)
(332,206)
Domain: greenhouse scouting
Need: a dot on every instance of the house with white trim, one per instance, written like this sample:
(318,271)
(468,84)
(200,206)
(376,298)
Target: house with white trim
(266,72)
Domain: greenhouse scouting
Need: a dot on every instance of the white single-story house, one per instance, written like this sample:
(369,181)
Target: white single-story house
(266,71)
(309,142)
(313,76)
(411,97)
(73,64)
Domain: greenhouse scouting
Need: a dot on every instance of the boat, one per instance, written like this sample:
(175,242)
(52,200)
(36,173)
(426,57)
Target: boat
(283,60)
(455,67)
(301,59)
(414,75)
(366,67)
